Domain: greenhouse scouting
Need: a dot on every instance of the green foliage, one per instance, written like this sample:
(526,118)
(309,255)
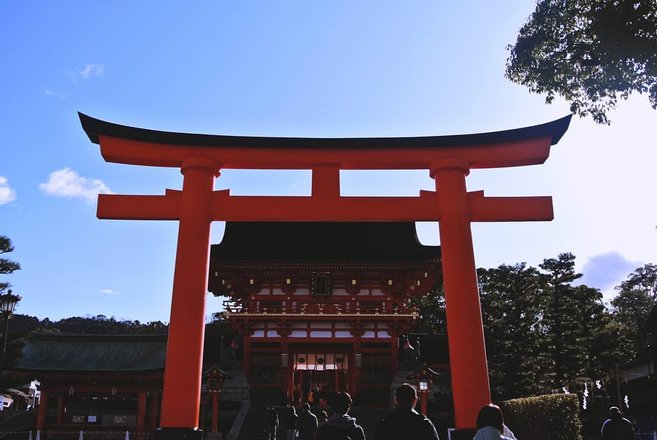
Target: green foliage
(643,279)
(431,308)
(510,315)
(550,417)
(631,308)
(100,324)
(590,52)
(542,332)
(562,328)
(21,325)
(6,266)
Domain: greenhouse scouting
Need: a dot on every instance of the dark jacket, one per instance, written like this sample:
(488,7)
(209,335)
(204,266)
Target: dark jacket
(307,425)
(271,421)
(340,427)
(289,418)
(405,423)
(617,428)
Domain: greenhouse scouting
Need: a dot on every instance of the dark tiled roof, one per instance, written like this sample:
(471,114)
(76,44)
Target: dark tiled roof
(93,353)
(96,127)
(321,241)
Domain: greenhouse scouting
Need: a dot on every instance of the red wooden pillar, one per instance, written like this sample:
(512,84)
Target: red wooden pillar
(215,412)
(287,378)
(152,423)
(141,413)
(246,354)
(356,369)
(467,351)
(182,375)
(394,353)
(42,412)
(60,410)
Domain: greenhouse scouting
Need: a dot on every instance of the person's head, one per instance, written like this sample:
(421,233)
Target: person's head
(490,415)
(615,412)
(306,407)
(406,396)
(341,403)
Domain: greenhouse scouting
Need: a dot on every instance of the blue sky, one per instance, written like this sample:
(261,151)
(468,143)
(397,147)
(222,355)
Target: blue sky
(287,68)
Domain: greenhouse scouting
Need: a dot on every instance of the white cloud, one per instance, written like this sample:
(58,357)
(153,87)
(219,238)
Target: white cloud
(7,194)
(68,183)
(90,70)
(49,92)
(606,271)
(109,291)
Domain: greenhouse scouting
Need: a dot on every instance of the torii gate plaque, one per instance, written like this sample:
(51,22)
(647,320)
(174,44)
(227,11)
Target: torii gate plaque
(200,157)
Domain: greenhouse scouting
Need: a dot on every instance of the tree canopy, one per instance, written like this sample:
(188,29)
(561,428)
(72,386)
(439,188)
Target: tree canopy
(590,52)
(6,266)
(643,279)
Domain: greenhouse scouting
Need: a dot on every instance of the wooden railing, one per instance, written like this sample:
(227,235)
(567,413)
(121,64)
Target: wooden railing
(364,306)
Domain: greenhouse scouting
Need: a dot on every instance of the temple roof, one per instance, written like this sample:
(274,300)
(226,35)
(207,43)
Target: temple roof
(322,241)
(93,353)
(96,127)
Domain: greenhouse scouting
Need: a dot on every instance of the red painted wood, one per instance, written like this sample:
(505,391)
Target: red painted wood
(467,352)
(198,205)
(314,208)
(42,411)
(141,412)
(183,370)
(528,152)
(215,413)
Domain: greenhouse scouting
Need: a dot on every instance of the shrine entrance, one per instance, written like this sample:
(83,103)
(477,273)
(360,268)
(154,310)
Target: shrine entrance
(448,159)
(324,372)
(317,372)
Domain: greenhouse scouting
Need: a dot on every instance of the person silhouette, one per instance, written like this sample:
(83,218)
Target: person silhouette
(404,421)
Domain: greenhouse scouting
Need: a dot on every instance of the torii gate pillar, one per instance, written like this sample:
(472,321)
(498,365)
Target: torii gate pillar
(181,400)
(465,333)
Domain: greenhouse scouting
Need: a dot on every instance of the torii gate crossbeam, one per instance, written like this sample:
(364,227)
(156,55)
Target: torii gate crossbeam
(200,158)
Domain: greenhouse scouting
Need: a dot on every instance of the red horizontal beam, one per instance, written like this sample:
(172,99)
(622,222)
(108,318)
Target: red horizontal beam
(289,208)
(131,207)
(508,154)
(285,208)
(516,209)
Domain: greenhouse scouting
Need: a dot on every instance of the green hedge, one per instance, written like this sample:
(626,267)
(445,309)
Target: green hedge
(550,417)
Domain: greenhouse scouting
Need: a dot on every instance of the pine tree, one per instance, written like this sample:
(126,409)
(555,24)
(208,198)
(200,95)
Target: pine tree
(559,301)
(631,308)
(6,266)
(511,314)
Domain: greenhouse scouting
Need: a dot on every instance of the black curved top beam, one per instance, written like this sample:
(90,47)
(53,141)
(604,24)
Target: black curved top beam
(95,128)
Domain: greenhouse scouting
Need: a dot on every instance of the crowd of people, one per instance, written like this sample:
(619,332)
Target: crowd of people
(403,423)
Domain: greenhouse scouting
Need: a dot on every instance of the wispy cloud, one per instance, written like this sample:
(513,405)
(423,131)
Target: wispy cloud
(109,292)
(7,194)
(68,183)
(606,271)
(50,92)
(90,70)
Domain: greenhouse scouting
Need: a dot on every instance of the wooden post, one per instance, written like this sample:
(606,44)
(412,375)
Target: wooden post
(42,412)
(215,412)
(424,395)
(467,351)
(60,410)
(181,395)
(355,388)
(154,406)
(141,413)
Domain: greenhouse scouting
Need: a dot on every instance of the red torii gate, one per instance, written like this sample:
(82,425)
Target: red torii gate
(200,157)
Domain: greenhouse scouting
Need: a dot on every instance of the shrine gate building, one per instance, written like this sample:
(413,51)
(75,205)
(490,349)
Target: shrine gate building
(322,305)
